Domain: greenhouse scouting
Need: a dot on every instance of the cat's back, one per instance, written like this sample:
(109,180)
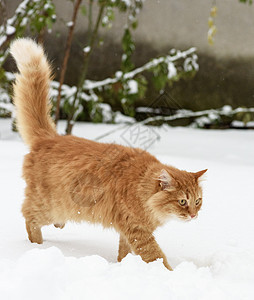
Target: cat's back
(62,153)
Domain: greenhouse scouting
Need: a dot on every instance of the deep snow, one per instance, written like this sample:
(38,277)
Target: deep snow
(212,257)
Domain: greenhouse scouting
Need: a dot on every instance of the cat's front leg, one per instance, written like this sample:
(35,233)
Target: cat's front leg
(143,243)
(124,248)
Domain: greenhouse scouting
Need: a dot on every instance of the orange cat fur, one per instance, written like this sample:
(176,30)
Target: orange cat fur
(75,179)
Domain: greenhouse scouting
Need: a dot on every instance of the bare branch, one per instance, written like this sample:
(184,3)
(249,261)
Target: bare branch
(85,68)
(66,57)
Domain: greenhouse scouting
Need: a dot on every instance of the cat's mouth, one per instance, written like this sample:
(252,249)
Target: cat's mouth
(187,218)
(190,218)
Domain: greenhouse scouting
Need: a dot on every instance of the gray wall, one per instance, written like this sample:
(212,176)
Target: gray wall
(226,74)
(182,23)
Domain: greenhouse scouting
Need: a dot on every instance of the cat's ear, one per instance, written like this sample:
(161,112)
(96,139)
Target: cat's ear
(197,175)
(166,181)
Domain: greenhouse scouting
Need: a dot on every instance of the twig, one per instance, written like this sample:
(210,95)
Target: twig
(4,13)
(85,68)
(90,17)
(66,57)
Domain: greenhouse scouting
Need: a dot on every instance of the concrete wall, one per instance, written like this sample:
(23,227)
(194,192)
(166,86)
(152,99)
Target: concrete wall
(184,23)
(181,23)
(226,74)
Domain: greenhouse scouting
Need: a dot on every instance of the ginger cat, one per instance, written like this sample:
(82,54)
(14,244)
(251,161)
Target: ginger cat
(71,178)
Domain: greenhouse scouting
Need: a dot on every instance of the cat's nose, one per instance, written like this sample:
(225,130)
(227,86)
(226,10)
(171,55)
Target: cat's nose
(193,216)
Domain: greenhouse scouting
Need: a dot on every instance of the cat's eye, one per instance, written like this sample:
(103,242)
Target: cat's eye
(182,202)
(198,201)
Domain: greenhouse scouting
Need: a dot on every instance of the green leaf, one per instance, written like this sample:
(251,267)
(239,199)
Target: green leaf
(134,24)
(247,1)
(49,23)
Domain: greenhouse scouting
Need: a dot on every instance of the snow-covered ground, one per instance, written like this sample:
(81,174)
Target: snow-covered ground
(212,257)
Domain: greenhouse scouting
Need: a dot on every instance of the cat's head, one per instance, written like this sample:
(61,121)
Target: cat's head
(179,194)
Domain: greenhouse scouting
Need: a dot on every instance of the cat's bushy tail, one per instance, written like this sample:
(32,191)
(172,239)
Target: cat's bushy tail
(31,91)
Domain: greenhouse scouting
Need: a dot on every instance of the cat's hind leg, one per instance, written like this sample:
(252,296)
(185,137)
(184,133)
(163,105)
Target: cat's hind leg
(36,215)
(34,232)
(124,248)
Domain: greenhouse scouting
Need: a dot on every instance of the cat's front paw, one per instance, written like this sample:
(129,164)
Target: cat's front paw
(166,264)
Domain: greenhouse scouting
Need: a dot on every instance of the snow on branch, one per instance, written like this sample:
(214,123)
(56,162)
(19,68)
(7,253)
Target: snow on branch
(9,28)
(189,64)
(38,14)
(211,113)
